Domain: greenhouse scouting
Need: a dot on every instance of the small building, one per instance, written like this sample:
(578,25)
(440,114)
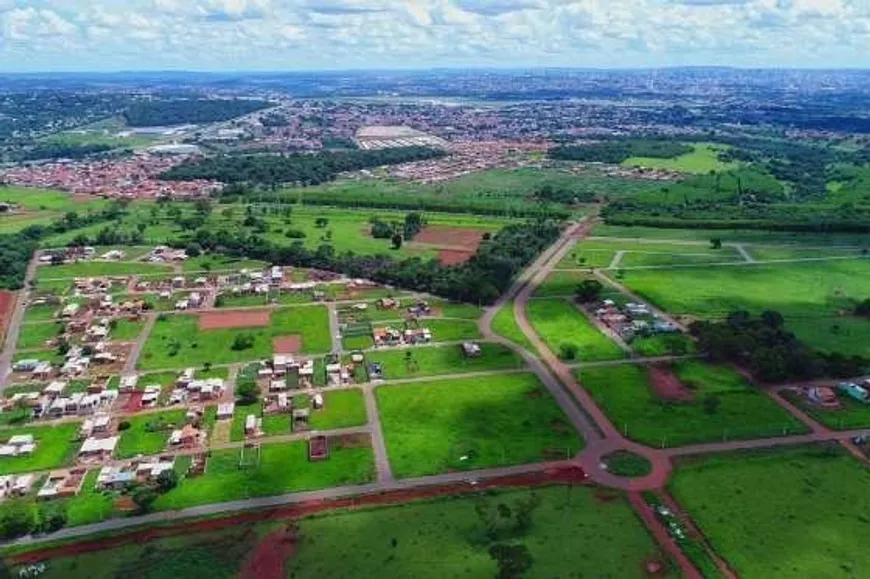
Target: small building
(62,484)
(28,365)
(855,391)
(98,447)
(18,445)
(55,389)
(277,385)
(318,448)
(114,478)
(823,396)
(225,411)
(471,349)
(128,383)
(12,486)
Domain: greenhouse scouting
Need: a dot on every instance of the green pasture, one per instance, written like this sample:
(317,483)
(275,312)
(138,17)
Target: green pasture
(559,322)
(438,360)
(703,160)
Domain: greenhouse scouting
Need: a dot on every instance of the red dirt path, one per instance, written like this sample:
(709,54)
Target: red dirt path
(667,386)
(267,560)
(453,256)
(234,319)
(558,474)
(7,305)
(287,344)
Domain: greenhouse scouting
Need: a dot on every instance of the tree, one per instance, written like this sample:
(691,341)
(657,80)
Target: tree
(716,243)
(772,319)
(16,520)
(863,309)
(711,404)
(144,497)
(568,351)
(193,249)
(321,222)
(397,241)
(248,392)
(167,480)
(242,342)
(588,291)
(512,560)
(53,518)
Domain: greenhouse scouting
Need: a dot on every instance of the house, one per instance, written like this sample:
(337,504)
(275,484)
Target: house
(386,336)
(42,371)
(318,448)
(15,485)
(253,425)
(418,336)
(823,396)
(151,395)
(280,363)
(114,478)
(98,447)
(225,411)
(18,445)
(128,383)
(276,275)
(28,365)
(277,386)
(113,254)
(300,418)
(210,388)
(471,349)
(96,333)
(855,391)
(62,484)
(55,389)
(185,377)
(150,468)
(188,435)
(317,401)
(194,300)
(70,310)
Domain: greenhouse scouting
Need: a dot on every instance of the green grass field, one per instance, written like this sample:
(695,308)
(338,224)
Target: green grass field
(42,313)
(492,421)
(55,447)
(283,468)
(626,395)
(788,514)
(177,341)
(127,330)
(702,160)
(98,269)
(599,253)
(775,253)
(798,238)
(810,295)
(571,531)
(561,284)
(559,322)
(437,360)
(341,409)
(850,416)
(148,433)
(32,336)
(217,262)
(505,324)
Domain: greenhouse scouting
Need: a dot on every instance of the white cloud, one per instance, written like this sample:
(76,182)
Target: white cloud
(269,34)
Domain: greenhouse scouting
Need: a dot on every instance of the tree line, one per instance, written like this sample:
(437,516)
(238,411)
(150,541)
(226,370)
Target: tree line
(617,151)
(182,111)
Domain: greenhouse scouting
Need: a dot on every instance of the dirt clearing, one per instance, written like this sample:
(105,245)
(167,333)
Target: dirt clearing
(453,256)
(287,344)
(267,559)
(453,237)
(234,319)
(667,386)
(7,304)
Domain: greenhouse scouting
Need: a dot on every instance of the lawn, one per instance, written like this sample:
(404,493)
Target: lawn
(438,360)
(90,505)
(626,395)
(98,269)
(32,336)
(599,253)
(466,424)
(629,233)
(149,433)
(217,262)
(789,514)
(773,253)
(663,345)
(41,313)
(558,323)
(127,330)
(505,325)
(177,341)
(572,531)
(283,468)
(662,258)
(561,284)
(810,295)
(55,447)
(702,160)
(451,330)
(212,555)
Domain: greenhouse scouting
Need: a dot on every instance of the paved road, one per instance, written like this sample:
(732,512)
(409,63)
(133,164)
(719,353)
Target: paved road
(741,249)
(133,358)
(334,329)
(14,326)
(379,445)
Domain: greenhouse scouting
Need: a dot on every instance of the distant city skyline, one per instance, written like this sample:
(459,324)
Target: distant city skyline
(286,35)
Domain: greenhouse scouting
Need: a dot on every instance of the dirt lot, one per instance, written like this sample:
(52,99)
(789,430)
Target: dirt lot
(7,304)
(287,344)
(267,560)
(234,319)
(452,237)
(667,386)
(453,256)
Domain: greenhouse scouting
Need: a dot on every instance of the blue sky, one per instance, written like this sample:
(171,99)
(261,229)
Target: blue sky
(46,35)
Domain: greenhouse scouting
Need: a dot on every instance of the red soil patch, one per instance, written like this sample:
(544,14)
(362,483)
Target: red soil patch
(549,474)
(134,402)
(453,237)
(667,386)
(268,558)
(7,304)
(453,256)
(287,344)
(234,319)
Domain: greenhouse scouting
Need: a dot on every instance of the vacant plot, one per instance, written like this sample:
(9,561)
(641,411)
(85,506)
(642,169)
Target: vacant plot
(40,313)
(773,253)
(148,433)
(341,409)
(126,330)
(99,269)
(452,330)
(178,342)
(7,305)
(234,319)
(600,253)
(398,364)
(702,160)
(571,530)
(55,446)
(663,345)
(454,256)
(217,262)
(561,284)
(632,233)
(505,324)
(281,468)
(723,405)
(816,298)
(211,555)
(287,344)
(560,324)
(465,424)
(741,500)
(454,237)
(662,259)
(667,386)
(32,336)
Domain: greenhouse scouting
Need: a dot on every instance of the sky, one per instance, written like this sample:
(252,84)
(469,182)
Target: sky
(239,35)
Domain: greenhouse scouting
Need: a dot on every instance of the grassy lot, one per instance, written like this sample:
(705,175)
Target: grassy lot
(33,336)
(430,426)
(572,530)
(505,324)
(283,468)
(451,330)
(55,446)
(127,330)
(341,409)
(99,268)
(213,555)
(584,257)
(599,253)
(810,295)
(660,258)
(740,502)
(41,313)
(177,341)
(702,160)
(627,464)
(731,235)
(216,262)
(561,284)
(33,199)
(148,433)
(438,360)
(558,322)
(663,345)
(90,505)
(741,412)
(850,416)
(774,253)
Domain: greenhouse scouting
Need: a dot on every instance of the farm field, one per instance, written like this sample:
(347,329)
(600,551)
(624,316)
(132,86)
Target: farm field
(701,161)
(149,433)
(741,500)
(571,530)
(438,360)
(55,446)
(505,324)
(715,404)
(177,340)
(810,295)
(45,200)
(209,555)
(558,322)
(283,468)
(429,427)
